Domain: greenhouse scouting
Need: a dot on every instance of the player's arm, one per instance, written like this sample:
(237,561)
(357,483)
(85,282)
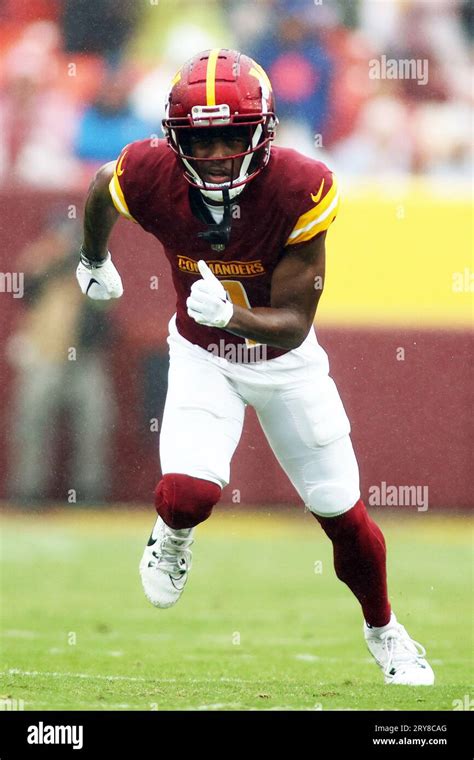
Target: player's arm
(297,279)
(296,288)
(100,214)
(96,274)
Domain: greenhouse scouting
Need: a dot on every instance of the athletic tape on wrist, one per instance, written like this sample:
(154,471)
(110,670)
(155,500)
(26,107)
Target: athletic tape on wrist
(92,263)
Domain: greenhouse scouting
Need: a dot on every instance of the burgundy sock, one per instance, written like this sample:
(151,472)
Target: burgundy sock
(359,560)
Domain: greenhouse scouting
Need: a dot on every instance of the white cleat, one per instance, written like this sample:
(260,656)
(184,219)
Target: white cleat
(401,659)
(165,564)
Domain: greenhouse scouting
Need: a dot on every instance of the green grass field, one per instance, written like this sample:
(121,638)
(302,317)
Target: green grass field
(256,627)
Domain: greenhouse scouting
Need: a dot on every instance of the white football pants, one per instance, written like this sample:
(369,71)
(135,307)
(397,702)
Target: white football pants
(297,404)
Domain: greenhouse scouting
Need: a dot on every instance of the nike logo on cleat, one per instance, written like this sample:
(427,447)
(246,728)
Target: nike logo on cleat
(182,583)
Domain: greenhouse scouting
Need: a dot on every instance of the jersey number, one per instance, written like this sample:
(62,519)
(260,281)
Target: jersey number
(239,296)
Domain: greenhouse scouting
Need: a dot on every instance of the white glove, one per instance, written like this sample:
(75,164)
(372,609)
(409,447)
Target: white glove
(99,281)
(209,303)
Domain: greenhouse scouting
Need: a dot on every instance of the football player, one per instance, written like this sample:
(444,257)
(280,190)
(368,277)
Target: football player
(243,226)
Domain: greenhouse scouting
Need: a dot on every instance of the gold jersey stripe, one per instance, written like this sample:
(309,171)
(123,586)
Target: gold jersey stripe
(320,224)
(118,197)
(317,219)
(317,209)
(211,77)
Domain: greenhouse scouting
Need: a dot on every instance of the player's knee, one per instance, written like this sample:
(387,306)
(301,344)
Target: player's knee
(332,498)
(183,501)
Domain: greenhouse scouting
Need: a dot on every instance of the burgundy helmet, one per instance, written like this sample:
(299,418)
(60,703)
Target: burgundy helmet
(221,89)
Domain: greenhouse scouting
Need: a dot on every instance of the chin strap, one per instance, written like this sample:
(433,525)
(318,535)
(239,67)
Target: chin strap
(219,234)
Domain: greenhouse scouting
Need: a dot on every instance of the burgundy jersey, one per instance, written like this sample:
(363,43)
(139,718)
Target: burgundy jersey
(293,199)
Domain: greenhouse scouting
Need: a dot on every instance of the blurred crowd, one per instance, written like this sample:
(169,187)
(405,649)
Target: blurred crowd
(80,79)
(59,352)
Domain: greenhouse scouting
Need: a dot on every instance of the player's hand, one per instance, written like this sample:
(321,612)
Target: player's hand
(209,303)
(99,281)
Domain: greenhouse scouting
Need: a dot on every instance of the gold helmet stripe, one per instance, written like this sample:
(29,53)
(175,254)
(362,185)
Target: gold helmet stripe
(211,77)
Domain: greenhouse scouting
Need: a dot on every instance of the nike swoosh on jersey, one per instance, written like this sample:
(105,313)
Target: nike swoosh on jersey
(316,198)
(120,171)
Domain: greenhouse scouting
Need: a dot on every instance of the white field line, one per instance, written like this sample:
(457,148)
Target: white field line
(130,679)
(15,633)
(307,657)
(189,708)
(103,652)
(221,639)
(34,705)
(87,676)
(215,706)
